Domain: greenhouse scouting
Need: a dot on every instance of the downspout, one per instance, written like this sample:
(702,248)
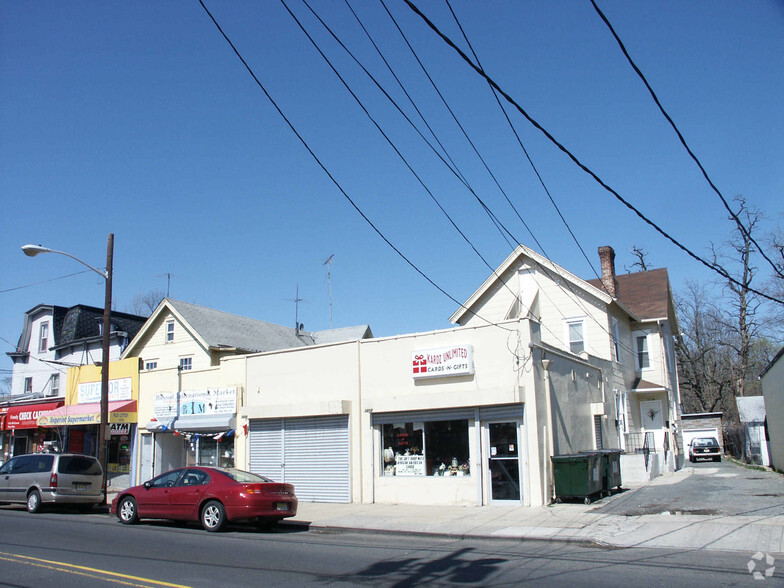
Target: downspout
(549,432)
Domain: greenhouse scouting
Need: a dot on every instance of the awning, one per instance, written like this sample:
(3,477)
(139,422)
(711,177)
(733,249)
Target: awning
(120,411)
(3,412)
(195,424)
(641,385)
(25,416)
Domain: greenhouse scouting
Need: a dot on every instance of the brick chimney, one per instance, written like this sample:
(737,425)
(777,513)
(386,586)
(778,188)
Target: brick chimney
(607,257)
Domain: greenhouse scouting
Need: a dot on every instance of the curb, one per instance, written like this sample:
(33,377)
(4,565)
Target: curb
(337,530)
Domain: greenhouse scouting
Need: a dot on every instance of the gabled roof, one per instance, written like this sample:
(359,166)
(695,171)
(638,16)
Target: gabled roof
(215,329)
(516,258)
(221,329)
(777,357)
(751,409)
(647,294)
(342,334)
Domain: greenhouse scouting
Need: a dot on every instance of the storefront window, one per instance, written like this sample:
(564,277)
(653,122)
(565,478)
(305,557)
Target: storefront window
(205,450)
(434,448)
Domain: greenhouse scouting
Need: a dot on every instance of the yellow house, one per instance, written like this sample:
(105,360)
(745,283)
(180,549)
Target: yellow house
(188,402)
(78,419)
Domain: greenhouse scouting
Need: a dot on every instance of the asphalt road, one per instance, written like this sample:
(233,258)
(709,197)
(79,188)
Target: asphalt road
(715,488)
(72,550)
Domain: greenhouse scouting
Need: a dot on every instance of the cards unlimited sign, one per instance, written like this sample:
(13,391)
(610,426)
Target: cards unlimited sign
(443,362)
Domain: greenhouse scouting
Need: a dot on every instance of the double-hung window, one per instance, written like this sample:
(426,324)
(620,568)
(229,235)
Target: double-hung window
(574,333)
(43,340)
(643,357)
(55,388)
(28,385)
(186,363)
(616,339)
(170,331)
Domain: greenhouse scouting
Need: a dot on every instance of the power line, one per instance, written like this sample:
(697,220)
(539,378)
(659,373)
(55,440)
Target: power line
(386,137)
(639,73)
(712,266)
(327,172)
(397,151)
(525,151)
(43,282)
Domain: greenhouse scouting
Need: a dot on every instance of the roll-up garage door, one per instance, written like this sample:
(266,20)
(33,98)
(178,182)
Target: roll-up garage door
(266,448)
(310,452)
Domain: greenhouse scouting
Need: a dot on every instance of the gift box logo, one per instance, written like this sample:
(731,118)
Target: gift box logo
(420,364)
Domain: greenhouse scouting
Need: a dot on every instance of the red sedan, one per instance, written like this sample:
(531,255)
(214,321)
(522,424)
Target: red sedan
(212,496)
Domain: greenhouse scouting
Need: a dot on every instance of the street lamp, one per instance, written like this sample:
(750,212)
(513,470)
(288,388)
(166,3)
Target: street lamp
(32,251)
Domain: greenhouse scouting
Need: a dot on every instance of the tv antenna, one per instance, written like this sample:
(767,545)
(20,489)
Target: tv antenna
(328,263)
(296,300)
(168,282)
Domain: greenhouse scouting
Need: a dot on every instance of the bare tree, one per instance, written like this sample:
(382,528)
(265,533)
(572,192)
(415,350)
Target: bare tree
(726,339)
(143,303)
(743,321)
(776,286)
(5,386)
(704,362)
(641,255)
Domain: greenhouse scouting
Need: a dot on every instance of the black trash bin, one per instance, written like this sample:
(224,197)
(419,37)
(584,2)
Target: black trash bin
(577,476)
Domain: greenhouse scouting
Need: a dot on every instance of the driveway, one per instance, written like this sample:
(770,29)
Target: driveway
(723,488)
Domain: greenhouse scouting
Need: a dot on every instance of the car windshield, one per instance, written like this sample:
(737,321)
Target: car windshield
(244,477)
(705,442)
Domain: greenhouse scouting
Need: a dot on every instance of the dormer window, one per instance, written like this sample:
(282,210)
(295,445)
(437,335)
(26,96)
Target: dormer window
(43,339)
(170,331)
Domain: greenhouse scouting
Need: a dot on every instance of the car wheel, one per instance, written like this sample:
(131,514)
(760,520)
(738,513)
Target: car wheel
(213,516)
(34,501)
(127,511)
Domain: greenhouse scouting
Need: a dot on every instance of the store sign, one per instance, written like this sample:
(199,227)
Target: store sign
(410,465)
(120,428)
(443,362)
(213,401)
(26,416)
(119,389)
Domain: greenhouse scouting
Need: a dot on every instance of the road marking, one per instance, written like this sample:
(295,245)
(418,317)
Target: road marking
(85,571)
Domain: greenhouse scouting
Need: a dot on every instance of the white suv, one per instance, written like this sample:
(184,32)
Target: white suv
(52,478)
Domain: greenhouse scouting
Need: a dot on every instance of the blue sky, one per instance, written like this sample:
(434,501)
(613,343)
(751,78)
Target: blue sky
(136,118)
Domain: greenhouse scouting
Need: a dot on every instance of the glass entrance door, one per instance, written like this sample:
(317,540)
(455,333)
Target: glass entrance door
(504,461)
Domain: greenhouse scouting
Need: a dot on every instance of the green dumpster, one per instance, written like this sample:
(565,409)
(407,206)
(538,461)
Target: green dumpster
(577,476)
(611,469)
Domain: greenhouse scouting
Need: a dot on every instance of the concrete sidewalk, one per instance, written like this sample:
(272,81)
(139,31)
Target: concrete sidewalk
(559,522)
(575,522)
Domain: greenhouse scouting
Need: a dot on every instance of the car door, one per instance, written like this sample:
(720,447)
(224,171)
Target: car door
(5,479)
(184,498)
(153,499)
(22,472)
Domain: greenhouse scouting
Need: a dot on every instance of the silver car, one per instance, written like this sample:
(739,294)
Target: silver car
(52,478)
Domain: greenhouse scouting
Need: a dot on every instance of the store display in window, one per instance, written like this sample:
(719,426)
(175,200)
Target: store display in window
(437,448)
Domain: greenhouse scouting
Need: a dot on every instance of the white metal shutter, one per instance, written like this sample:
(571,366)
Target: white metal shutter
(316,451)
(266,448)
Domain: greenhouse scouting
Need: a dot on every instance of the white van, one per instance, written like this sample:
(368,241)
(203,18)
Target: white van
(52,478)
